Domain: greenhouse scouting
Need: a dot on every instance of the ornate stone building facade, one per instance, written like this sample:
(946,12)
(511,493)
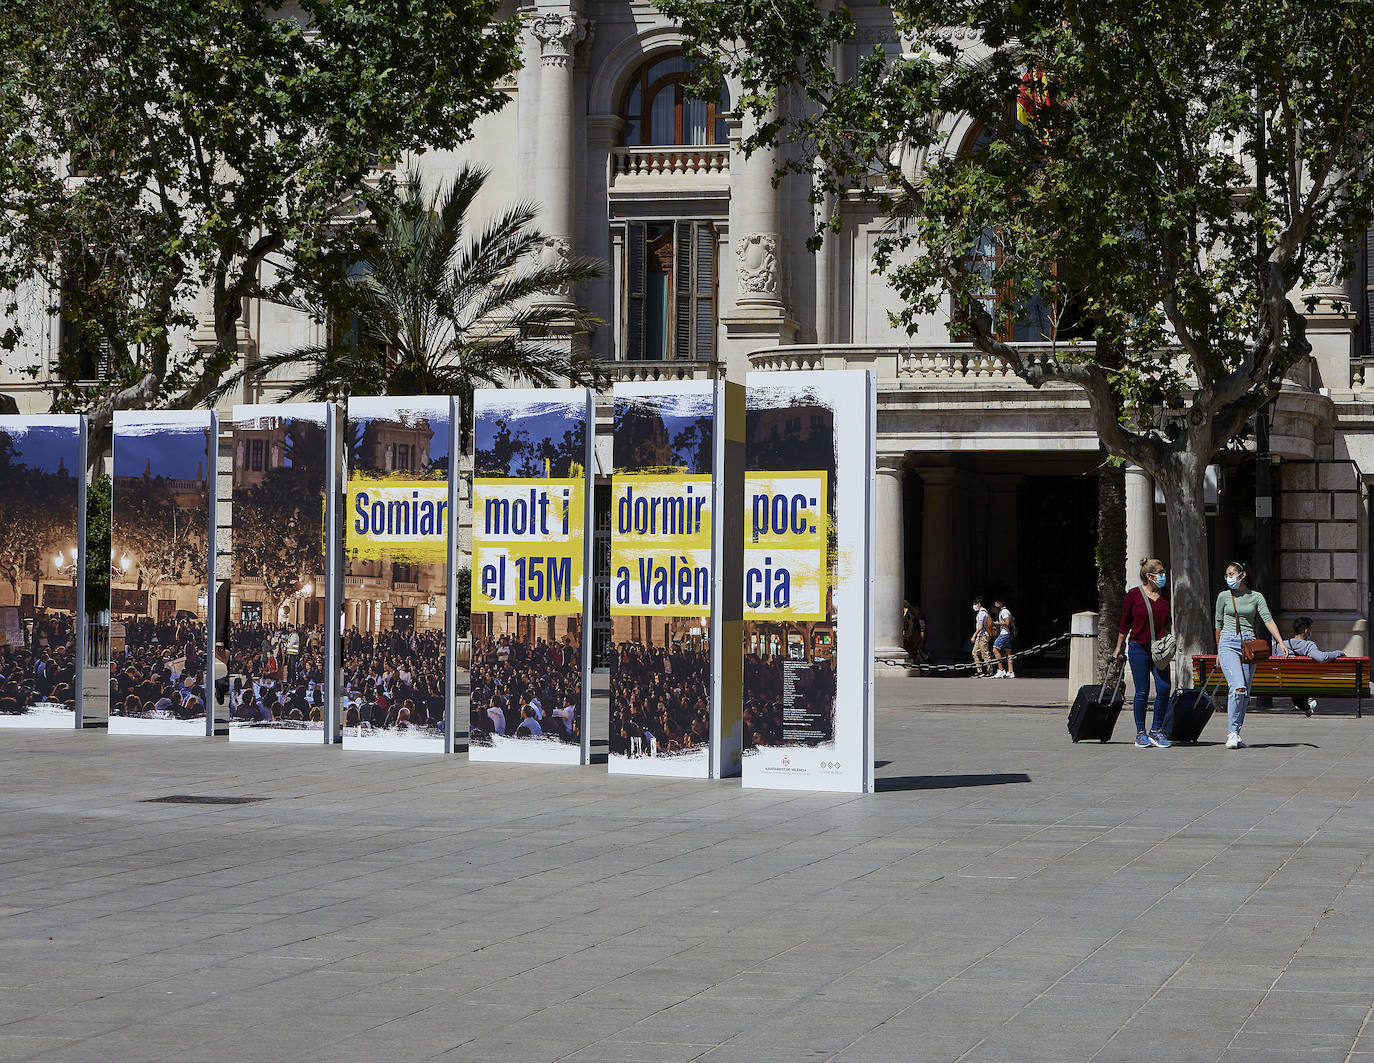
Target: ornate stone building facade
(984,484)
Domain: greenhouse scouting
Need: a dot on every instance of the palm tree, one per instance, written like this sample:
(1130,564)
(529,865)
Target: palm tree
(438,309)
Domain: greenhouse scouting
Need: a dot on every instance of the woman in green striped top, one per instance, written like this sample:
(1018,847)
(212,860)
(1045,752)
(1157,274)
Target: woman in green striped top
(1240,612)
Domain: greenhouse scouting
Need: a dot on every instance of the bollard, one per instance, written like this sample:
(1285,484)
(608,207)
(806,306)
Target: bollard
(1082,652)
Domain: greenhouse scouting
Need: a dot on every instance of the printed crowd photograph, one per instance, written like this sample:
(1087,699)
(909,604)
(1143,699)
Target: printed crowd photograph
(529,520)
(39,466)
(275,638)
(790,645)
(160,535)
(660,659)
(395,610)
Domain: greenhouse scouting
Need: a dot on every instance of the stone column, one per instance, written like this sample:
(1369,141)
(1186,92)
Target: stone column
(603,134)
(558,34)
(889,567)
(1140,521)
(948,582)
(759,316)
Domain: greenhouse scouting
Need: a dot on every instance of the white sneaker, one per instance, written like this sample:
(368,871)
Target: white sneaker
(1010,675)
(1233,741)
(1000,675)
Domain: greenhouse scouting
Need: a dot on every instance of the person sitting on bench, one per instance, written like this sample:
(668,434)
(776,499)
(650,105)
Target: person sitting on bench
(1302,646)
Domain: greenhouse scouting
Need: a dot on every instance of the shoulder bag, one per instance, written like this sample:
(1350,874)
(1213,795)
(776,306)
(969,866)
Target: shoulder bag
(1251,650)
(1162,650)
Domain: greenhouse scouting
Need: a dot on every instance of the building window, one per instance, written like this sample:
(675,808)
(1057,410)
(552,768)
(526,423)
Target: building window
(659,110)
(256,460)
(670,290)
(403,457)
(1039,321)
(83,351)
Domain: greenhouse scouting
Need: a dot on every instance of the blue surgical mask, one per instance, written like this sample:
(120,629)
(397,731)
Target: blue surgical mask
(1233,582)
(1160,579)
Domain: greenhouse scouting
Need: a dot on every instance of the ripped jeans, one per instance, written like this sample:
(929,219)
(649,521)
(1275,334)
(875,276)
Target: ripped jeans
(1238,675)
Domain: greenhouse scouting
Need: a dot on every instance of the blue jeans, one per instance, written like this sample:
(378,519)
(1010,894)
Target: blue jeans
(1141,668)
(1237,674)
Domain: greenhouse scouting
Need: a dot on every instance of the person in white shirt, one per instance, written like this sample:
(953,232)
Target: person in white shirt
(1001,645)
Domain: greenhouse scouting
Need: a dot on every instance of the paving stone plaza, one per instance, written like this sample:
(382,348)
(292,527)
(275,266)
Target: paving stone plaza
(1006,896)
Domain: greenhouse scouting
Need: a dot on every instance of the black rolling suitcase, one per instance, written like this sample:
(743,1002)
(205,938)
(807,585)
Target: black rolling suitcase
(1189,711)
(1094,712)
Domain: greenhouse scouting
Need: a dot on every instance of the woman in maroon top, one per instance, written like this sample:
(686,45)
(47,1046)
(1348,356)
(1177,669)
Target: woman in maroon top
(1135,623)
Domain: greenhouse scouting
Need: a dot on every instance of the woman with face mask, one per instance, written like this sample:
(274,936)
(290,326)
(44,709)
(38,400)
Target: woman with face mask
(1141,605)
(1239,614)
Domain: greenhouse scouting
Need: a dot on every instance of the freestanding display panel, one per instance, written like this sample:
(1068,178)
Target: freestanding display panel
(396,649)
(531,657)
(281,663)
(808,575)
(42,570)
(674,705)
(162,539)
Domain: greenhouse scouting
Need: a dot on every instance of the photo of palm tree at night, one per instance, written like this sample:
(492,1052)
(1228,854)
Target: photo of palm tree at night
(275,637)
(394,662)
(160,534)
(526,671)
(660,703)
(39,466)
(539,439)
(789,664)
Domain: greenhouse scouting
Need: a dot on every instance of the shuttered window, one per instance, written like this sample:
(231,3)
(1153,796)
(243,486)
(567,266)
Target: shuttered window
(669,302)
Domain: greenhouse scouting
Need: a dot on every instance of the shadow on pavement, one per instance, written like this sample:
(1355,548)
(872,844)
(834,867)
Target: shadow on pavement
(948,782)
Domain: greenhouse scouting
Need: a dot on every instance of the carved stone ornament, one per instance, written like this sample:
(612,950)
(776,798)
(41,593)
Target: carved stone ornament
(554,253)
(758,263)
(559,36)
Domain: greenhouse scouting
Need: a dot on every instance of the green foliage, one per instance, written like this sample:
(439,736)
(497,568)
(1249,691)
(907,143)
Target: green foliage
(1123,189)
(441,307)
(148,150)
(98,545)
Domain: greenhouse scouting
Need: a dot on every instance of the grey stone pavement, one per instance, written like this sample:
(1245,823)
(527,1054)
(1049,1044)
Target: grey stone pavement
(1006,896)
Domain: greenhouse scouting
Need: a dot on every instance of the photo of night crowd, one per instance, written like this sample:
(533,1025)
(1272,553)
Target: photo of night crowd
(660,701)
(41,670)
(159,674)
(524,690)
(276,676)
(812,697)
(394,680)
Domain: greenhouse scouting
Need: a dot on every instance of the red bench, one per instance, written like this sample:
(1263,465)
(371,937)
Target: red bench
(1295,677)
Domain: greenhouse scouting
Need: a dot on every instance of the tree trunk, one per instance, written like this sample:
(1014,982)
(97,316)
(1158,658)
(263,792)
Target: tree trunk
(1181,478)
(1111,557)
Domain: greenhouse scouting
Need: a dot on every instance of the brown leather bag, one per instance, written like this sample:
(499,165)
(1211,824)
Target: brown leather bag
(1251,650)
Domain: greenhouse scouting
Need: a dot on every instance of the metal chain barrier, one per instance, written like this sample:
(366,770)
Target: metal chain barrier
(972,666)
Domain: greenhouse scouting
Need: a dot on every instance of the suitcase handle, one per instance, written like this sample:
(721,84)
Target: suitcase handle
(1120,663)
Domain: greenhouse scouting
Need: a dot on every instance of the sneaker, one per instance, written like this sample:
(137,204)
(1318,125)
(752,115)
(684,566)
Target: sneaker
(1311,706)
(1142,741)
(1000,675)
(1010,675)
(1157,739)
(1233,741)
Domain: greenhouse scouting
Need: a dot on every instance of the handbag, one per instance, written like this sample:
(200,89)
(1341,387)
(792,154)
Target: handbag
(1162,650)
(1251,650)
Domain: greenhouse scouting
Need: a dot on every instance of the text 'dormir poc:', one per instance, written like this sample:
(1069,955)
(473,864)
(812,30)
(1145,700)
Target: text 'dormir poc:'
(786,576)
(527,546)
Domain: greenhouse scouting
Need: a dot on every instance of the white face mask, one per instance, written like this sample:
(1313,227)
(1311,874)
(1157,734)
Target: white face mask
(1233,582)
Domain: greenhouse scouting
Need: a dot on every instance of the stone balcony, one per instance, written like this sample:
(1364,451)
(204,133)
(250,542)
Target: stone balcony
(702,169)
(953,363)
(671,369)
